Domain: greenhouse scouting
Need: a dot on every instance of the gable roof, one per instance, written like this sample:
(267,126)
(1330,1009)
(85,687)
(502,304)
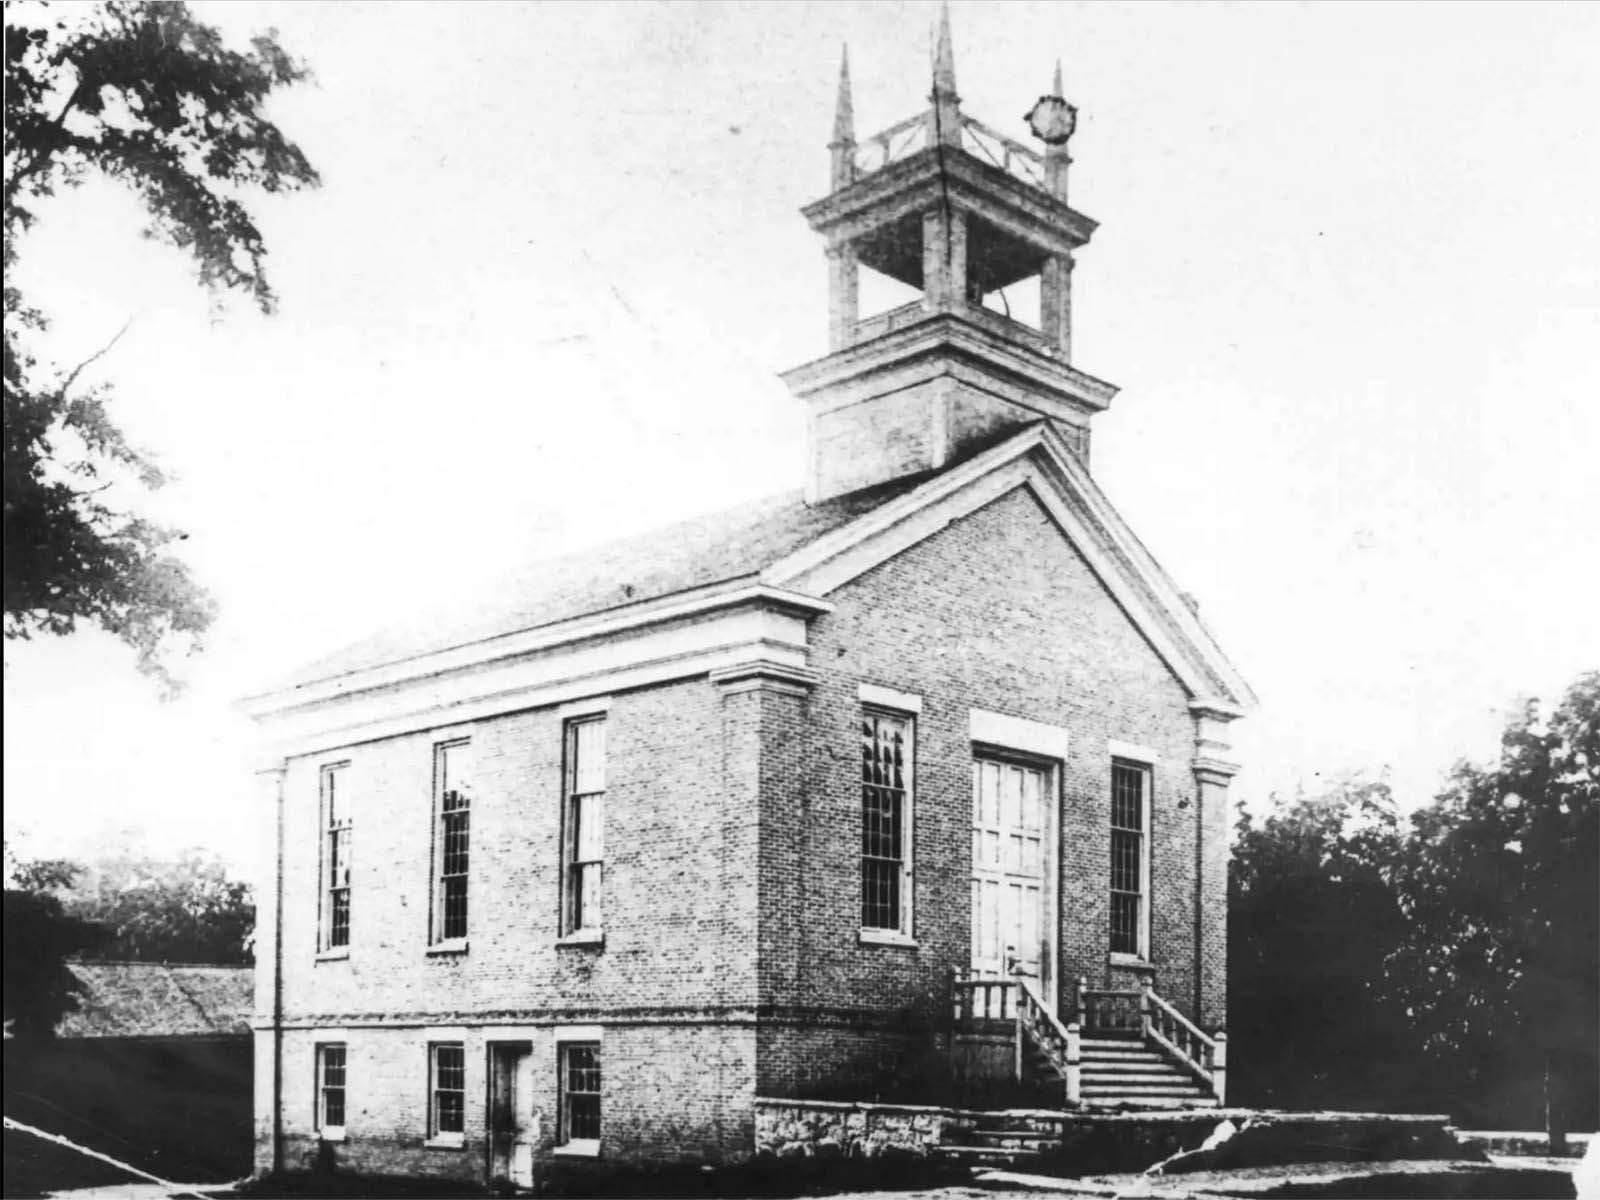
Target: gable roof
(736,543)
(804,551)
(145,999)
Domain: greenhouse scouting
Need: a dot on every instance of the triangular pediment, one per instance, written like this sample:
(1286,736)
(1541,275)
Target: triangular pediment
(1035,459)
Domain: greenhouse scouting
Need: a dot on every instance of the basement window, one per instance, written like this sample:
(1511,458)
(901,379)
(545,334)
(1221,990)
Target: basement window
(447,1109)
(580,1097)
(330,1090)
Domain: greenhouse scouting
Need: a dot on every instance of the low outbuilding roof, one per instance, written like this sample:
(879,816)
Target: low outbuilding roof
(145,999)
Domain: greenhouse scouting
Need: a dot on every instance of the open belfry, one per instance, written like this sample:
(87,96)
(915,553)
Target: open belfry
(944,204)
(852,820)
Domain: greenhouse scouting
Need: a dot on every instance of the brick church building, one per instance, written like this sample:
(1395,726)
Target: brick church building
(792,801)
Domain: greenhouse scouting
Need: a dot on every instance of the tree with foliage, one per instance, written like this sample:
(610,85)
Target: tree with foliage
(1311,918)
(143,94)
(39,937)
(183,910)
(1500,884)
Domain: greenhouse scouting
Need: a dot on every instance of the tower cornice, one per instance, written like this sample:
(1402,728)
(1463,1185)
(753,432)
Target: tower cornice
(909,185)
(972,344)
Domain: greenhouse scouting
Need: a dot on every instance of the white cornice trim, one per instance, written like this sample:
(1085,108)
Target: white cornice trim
(506,646)
(719,641)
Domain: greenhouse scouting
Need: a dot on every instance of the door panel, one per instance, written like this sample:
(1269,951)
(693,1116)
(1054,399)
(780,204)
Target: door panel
(1010,859)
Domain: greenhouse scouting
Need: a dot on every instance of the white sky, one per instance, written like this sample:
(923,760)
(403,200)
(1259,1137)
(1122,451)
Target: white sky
(1348,278)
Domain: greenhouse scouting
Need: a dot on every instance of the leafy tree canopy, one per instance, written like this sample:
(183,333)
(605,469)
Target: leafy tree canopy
(39,936)
(184,910)
(1449,961)
(1500,884)
(146,96)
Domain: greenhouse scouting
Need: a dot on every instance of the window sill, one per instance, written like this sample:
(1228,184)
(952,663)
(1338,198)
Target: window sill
(330,1135)
(583,937)
(453,946)
(1119,959)
(446,1141)
(337,954)
(887,937)
(578,1148)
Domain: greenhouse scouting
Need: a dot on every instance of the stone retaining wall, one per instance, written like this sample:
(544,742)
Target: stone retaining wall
(824,1128)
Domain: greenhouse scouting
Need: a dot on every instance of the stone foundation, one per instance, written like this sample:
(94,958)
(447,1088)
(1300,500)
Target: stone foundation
(824,1128)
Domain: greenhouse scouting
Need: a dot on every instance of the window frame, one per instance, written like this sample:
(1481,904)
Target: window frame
(440,939)
(565,1142)
(904,930)
(326,1129)
(328,831)
(574,924)
(437,1134)
(1142,926)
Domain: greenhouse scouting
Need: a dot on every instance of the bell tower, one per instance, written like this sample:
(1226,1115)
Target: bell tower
(966,216)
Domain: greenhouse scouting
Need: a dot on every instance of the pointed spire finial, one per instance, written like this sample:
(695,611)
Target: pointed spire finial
(1055,86)
(844,121)
(944,57)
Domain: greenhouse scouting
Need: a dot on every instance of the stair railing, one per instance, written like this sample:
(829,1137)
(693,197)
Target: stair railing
(978,999)
(1060,1044)
(1108,1010)
(1205,1057)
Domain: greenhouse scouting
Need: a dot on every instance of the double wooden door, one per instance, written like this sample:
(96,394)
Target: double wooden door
(1012,823)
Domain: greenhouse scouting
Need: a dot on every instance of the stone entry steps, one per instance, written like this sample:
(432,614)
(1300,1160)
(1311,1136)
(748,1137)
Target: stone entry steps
(1124,1073)
(998,1140)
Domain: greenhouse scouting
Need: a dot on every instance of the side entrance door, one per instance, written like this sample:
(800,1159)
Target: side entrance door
(1012,823)
(513,1124)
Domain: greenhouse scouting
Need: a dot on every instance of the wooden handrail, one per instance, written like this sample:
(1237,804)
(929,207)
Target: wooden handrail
(1111,1010)
(1182,1021)
(1205,1057)
(982,999)
(1059,1043)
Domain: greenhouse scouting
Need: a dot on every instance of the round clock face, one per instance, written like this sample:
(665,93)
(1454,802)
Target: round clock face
(1052,120)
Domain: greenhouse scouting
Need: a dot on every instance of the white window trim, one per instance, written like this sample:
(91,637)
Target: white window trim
(580,935)
(576,1035)
(1146,838)
(326,951)
(592,706)
(437,942)
(326,1132)
(1006,732)
(906,934)
(446,1140)
(877,696)
(1144,756)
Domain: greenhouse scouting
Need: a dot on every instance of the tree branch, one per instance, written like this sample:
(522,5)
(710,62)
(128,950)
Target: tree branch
(72,376)
(45,151)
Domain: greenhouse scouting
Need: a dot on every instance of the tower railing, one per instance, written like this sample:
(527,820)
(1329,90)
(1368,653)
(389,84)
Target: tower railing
(994,147)
(897,142)
(905,138)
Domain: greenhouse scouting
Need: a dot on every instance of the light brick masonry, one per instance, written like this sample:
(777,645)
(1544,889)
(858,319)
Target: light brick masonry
(992,595)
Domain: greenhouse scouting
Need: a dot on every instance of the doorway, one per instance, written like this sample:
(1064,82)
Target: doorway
(1013,910)
(513,1119)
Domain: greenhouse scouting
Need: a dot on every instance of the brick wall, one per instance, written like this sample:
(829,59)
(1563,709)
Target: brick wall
(670,1092)
(995,612)
(666,841)
(732,958)
(680,846)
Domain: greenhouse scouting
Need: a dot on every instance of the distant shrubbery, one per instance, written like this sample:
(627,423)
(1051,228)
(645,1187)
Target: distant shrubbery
(1450,962)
